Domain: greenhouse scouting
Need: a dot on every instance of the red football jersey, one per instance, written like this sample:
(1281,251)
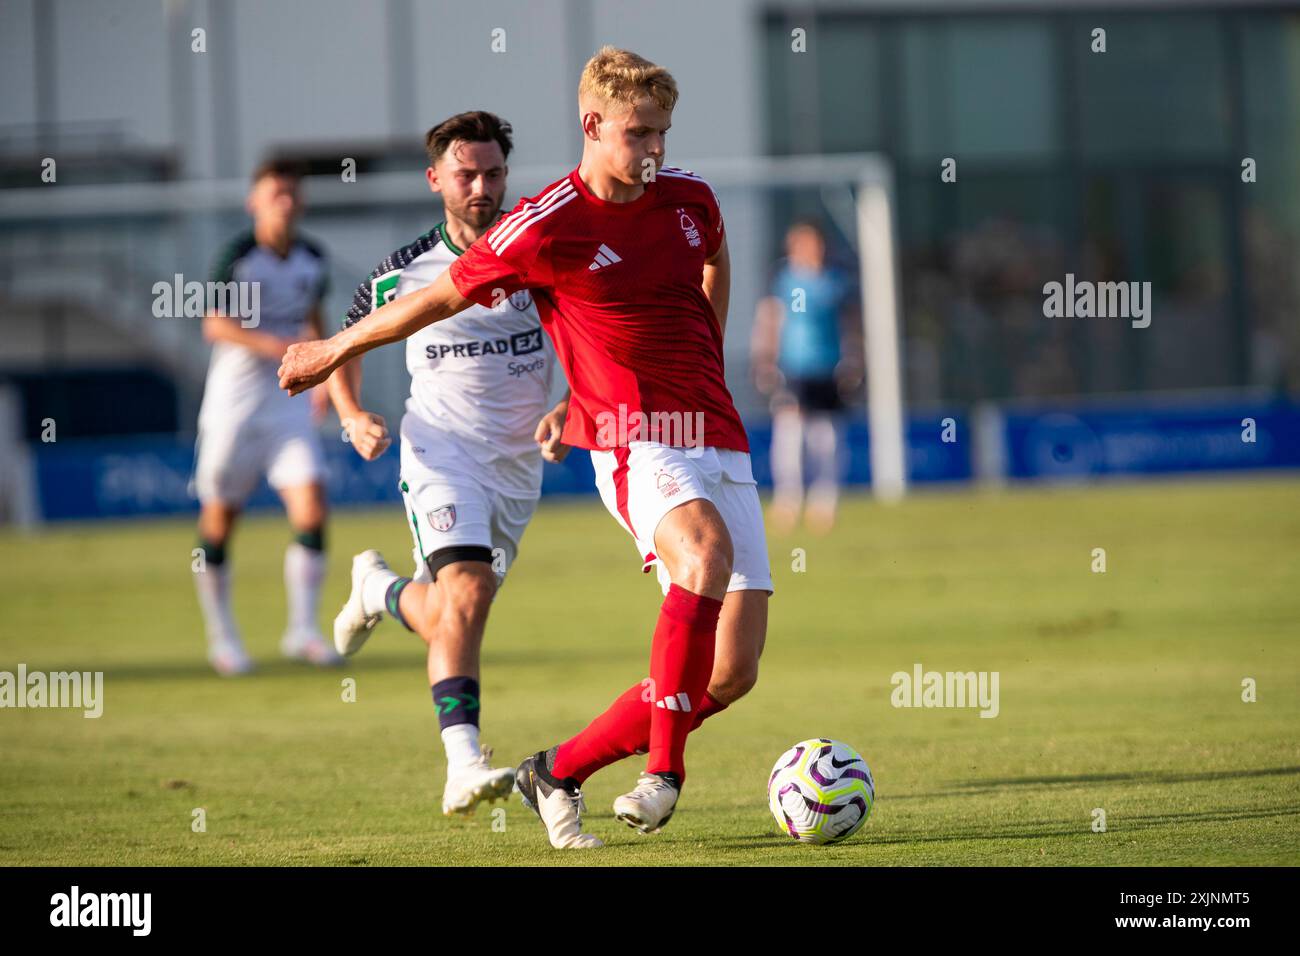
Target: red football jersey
(618,289)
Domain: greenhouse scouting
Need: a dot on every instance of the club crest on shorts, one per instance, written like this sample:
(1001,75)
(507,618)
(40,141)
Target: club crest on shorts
(442,519)
(521,300)
(666,484)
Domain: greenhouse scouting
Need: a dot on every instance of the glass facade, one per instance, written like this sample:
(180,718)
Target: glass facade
(1116,166)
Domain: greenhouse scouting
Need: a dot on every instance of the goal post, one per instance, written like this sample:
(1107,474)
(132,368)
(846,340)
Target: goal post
(868,178)
(881,318)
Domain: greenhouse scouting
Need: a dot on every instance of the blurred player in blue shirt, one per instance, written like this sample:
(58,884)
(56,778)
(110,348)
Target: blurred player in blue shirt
(807,356)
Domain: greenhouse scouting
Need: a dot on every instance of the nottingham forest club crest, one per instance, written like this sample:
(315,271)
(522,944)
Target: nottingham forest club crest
(689,229)
(666,483)
(442,519)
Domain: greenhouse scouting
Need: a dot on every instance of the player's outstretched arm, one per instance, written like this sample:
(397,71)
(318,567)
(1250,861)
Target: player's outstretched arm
(320,399)
(310,363)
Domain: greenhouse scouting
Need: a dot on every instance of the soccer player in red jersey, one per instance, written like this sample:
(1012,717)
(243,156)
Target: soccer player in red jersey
(627,261)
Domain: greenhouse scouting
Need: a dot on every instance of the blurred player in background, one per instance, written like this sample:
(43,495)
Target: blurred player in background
(627,260)
(807,356)
(248,428)
(471,470)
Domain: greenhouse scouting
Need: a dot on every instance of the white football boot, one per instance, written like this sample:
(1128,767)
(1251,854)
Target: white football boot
(229,659)
(650,805)
(352,626)
(559,804)
(472,784)
(310,647)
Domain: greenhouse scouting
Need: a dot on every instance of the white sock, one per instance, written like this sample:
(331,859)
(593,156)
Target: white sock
(213,585)
(461,743)
(374,592)
(304,570)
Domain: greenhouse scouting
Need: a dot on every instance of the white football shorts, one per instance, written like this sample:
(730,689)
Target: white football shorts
(232,457)
(447,509)
(642,482)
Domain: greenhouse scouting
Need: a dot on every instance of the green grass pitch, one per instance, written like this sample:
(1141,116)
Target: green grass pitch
(1119,690)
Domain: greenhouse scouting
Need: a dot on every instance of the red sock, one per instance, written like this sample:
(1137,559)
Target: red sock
(708,707)
(681,662)
(611,736)
(622,730)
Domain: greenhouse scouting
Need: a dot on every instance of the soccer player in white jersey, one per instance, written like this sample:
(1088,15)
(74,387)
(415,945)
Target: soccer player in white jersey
(249,429)
(471,468)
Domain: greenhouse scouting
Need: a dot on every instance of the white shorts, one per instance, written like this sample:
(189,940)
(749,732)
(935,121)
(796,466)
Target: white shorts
(641,483)
(451,509)
(232,458)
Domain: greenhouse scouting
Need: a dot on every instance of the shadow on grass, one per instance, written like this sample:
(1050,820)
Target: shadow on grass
(1118,825)
(971,788)
(269,665)
(199,669)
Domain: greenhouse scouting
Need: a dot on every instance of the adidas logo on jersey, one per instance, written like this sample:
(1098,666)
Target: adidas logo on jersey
(676,702)
(605,256)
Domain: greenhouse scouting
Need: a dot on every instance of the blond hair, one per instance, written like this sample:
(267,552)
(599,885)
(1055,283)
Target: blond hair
(615,76)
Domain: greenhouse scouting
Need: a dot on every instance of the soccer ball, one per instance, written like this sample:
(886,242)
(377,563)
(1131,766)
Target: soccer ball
(820,791)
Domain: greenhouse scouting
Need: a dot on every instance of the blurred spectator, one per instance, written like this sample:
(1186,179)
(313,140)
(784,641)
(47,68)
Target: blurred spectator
(807,357)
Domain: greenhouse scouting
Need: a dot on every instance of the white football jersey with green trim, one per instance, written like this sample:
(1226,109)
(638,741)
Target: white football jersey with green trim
(480,381)
(242,385)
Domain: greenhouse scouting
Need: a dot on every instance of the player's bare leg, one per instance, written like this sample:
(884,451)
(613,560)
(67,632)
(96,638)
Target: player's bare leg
(305,505)
(450,616)
(693,543)
(742,633)
(217,521)
(304,571)
(212,581)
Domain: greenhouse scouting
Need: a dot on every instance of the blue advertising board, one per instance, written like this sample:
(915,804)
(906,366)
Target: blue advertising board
(106,478)
(1141,440)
